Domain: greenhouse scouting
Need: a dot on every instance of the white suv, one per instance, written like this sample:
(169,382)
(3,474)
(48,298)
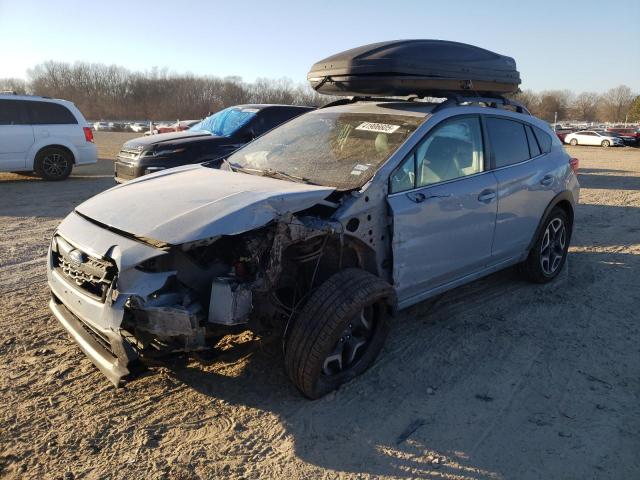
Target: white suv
(48,136)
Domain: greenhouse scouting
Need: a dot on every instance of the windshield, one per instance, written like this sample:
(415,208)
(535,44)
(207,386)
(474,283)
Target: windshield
(337,149)
(226,122)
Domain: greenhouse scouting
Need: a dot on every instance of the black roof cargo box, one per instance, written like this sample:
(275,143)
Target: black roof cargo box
(420,67)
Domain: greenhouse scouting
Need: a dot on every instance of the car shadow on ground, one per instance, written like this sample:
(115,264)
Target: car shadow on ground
(387,422)
(602,179)
(368,411)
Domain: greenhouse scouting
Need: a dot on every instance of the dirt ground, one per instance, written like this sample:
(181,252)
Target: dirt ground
(498,379)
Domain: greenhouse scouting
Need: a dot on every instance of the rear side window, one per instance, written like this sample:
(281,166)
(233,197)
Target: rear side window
(543,139)
(534,148)
(12,112)
(45,113)
(508,141)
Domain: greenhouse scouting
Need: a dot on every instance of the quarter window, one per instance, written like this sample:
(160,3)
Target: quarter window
(47,113)
(544,139)
(508,141)
(534,149)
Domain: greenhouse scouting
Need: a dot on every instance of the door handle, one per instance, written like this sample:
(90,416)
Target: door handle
(487,195)
(546,180)
(420,197)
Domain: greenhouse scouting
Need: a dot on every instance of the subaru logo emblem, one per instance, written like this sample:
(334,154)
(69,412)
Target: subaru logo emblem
(77,256)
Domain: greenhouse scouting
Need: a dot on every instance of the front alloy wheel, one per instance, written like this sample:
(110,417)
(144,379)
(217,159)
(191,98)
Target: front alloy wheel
(352,344)
(339,331)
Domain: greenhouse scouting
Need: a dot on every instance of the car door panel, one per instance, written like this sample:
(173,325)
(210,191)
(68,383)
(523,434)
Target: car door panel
(442,232)
(16,136)
(524,191)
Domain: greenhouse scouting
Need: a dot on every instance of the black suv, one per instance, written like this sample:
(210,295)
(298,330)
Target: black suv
(213,138)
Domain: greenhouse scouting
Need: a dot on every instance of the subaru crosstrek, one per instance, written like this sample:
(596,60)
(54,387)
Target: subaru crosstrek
(319,230)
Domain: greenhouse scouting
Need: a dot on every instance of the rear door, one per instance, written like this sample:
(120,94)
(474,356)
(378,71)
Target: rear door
(443,202)
(526,183)
(52,120)
(16,135)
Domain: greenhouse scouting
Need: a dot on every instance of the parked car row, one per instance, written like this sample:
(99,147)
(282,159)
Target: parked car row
(617,137)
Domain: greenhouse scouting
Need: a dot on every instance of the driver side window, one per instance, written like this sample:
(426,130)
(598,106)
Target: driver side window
(453,149)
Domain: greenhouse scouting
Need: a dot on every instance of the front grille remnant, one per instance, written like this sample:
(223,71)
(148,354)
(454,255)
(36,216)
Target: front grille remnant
(92,275)
(129,153)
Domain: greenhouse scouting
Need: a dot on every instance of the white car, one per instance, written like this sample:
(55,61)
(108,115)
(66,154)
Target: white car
(138,127)
(591,137)
(48,136)
(101,126)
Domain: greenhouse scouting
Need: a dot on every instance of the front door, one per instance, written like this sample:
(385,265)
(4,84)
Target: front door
(16,137)
(443,203)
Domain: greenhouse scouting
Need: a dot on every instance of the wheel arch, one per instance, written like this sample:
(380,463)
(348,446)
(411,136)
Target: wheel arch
(562,200)
(37,149)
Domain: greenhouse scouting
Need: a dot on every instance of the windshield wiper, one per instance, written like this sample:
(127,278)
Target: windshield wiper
(267,172)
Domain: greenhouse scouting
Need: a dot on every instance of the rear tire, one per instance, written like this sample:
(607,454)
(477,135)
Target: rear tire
(53,164)
(573,142)
(605,143)
(549,253)
(339,332)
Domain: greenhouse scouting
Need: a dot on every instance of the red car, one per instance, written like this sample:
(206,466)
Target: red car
(630,136)
(176,127)
(563,133)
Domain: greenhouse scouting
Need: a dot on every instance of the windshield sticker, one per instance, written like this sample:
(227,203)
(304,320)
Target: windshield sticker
(362,168)
(356,172)
(377,127)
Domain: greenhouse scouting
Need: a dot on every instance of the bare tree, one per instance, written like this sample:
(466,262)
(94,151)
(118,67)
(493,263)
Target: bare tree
(552,103)
(585,106)
(14,85)
(616,103)
(634,111)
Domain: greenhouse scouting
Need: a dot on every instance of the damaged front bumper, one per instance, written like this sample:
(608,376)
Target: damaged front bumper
(116,369)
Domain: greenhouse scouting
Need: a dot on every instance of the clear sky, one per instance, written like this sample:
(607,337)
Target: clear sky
(579,45)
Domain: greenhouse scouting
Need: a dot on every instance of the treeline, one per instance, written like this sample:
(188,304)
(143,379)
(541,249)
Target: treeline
(113,92)
(618,104)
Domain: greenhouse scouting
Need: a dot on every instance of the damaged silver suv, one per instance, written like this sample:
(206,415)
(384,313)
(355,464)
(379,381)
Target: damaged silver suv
(319,231)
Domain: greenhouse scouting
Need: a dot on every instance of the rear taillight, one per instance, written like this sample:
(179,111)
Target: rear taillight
(88,134)
(574,163)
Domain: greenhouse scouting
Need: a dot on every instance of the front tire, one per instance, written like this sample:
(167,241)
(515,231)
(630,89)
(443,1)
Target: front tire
(573,142)
(606,143)
(53,164)
(549,253)
(339,332)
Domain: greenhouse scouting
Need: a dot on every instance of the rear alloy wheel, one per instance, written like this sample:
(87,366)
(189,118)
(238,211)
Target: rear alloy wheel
(573,142)
(605,143)
(339,332)
(547,257)
(54,164)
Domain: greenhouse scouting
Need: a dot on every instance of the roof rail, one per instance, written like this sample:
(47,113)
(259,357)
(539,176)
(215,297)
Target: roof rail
(455,99)
(8,92)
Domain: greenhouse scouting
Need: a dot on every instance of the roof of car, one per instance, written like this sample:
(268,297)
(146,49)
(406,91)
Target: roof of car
(11,96)
(391,107)
(262,106)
